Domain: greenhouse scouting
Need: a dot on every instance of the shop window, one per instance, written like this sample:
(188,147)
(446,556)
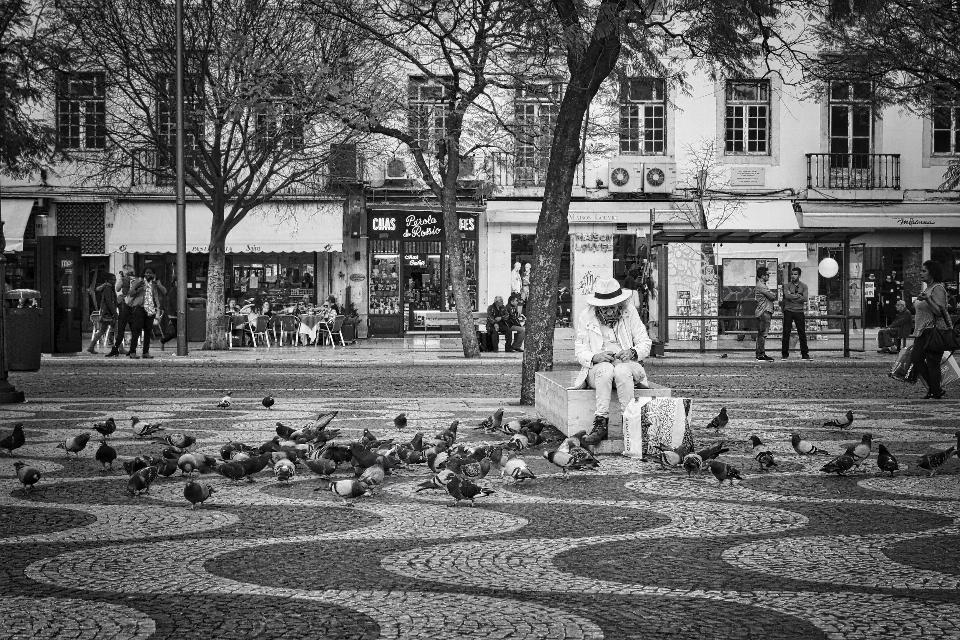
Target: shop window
(385,277)
(82,110)
(747,129)
(470,275)
(643,108)
(521,250)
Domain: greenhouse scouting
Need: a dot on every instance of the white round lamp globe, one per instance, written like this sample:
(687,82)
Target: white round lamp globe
(828,267)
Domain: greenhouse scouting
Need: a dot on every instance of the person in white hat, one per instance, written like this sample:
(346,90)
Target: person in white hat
(611,342)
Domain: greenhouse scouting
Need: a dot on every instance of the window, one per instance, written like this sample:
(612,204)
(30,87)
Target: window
(278,122)
(193,119)
(946,124)
(747,129)
(428,101)
(82,111)
(851,117)
(535,111)
(643,122)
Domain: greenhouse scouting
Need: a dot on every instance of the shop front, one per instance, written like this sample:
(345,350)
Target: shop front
(410,265)
(273,252)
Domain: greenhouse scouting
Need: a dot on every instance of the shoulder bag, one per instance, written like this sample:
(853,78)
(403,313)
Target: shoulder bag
(943,340)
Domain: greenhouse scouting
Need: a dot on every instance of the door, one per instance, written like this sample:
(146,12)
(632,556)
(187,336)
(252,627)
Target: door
(851,135)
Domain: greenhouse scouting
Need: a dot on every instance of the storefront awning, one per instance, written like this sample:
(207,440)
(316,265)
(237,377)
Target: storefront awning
(582,212)
(913,216)
(15,213)
(823,236)
(151,227)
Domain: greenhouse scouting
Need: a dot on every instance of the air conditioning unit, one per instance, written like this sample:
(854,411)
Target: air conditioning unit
(659,177)
(626,174)
(396,168)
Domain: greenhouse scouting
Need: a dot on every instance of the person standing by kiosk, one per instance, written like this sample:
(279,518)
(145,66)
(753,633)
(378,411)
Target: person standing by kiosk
(795,295)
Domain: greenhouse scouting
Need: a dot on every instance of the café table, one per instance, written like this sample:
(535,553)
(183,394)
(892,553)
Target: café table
(311,326)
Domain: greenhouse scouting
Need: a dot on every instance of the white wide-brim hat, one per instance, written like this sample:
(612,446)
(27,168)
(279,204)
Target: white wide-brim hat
(607,292)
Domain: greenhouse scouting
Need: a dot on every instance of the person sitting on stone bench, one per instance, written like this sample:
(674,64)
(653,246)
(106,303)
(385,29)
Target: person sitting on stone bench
(505,319)
(898,332)
(611,342)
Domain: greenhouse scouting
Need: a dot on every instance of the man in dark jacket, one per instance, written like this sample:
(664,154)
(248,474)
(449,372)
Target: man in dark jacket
(898,331)
(108,311)
(124,315)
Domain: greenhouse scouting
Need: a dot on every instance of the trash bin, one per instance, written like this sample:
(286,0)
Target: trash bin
(196,319)
(22,329)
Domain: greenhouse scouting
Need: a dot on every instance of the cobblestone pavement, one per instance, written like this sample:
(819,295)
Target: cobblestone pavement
(629,551)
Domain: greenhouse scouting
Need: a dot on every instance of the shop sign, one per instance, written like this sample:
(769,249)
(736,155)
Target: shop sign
(357,277)
(416,225)
(593,242)
(415,259)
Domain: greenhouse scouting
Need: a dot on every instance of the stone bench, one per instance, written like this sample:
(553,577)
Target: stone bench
(573,409)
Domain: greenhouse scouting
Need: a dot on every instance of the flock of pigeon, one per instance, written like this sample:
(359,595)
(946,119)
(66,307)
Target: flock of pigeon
(457,468)
(853,458)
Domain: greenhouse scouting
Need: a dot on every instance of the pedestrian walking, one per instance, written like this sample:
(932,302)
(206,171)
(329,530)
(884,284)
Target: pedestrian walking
(124,313)
(765,299)
(931,308)
(145,300)
(795,295)
(106,293)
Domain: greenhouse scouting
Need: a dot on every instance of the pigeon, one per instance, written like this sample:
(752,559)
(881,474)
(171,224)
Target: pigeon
(75,444)
(321,466)
(106,427)
(345,489)
(373,475)
(225,401)
(362,457)
(693,462)
(268,402)
(371,441)
(518,442)
(232,471)
(861,451)
(400,422)
(178,440)
(197,492)
(141,480)
(765,460)
(671,457)
(511,426)
(517,469)
(284,470)
(711,453)
(493,422)
(723,471)
(144,429)
(476,465)
(166,467)
(576,458)
(449,435)
(255,464)
(105,455)
(933,461)
(439,481)
(171,453)
(14,440)
(839,465)
(755,444)
(843,425)
(720,420)
(132,466)
(886,461)
(187,463)
(27,475)
(462,489)
(804,448)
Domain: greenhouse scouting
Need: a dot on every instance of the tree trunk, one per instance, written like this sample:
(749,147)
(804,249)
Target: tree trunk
(461,296)
(216,330)
(552,230)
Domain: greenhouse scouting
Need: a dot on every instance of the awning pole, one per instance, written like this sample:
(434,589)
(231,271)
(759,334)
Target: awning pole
(846,299)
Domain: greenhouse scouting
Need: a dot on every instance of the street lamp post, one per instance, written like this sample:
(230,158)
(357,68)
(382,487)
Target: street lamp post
(181,301)
(8,393)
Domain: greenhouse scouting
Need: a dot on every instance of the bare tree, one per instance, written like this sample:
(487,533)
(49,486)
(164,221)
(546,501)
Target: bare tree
(258,79)
(719,36)
(440,63)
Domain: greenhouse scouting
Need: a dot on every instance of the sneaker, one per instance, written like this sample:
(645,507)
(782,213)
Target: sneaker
(806,358)
(765,358)
(147,356)
(599,431)
(112,355)
(91,350)
(785,357)
(133,356)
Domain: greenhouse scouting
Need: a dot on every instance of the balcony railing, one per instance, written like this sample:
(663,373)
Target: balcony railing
(853,170)
(509,170)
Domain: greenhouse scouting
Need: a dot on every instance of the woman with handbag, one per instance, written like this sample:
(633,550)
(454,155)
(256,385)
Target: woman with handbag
(933,333)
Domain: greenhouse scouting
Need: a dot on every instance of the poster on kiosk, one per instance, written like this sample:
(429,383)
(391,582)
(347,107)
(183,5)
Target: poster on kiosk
(58,276)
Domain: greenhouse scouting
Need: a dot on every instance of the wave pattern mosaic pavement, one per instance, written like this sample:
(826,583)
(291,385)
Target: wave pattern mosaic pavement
(628,551)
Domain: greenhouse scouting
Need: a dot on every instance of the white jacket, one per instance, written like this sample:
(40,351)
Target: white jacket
(629,330)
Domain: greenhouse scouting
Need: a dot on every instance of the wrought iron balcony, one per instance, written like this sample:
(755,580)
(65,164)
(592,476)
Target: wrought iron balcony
(853,170)
(521,171)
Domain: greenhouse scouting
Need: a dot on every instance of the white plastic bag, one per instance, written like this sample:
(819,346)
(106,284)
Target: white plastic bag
(633,427)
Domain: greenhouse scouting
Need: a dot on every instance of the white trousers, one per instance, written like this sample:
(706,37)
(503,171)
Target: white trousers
(625,375)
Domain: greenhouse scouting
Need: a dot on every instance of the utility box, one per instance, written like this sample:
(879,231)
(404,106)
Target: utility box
(58,278)
(196,319)
(23,327)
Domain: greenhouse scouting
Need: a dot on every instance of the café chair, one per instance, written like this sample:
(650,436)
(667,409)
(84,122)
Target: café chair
(259,326)
(336,329)
(236,328)
(288,325)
